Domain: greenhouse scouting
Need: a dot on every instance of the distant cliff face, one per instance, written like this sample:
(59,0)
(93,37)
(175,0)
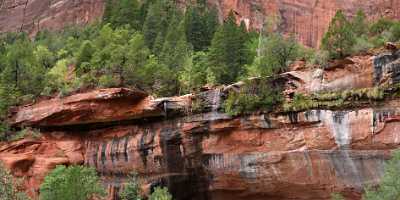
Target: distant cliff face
(34,15)
(306,19)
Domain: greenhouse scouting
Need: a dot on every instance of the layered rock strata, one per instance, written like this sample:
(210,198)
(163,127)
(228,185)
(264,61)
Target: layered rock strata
(199,152)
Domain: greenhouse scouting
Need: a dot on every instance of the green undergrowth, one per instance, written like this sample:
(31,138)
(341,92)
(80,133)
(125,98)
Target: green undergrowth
(341,99)
(8,135)
(255,95)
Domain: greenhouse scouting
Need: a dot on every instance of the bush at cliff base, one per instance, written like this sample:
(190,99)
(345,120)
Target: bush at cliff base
(9,186)
(160,194)
(389,187)
(131,190)
(71,183)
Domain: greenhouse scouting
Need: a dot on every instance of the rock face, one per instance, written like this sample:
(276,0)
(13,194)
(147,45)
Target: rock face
(209,155)
(34,15)
(306,19)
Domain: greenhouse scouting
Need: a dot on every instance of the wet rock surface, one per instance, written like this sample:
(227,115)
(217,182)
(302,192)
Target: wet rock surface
(187,144)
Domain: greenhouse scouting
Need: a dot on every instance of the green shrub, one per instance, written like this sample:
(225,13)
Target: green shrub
(4,130)
(320,58)
(107,81)
(160,194)
(71,183)
(395,32)
(26,132)
(337,196)
(10,187)
(362,45)
(131,190)
(300,102)
(254,95)
(334,99)
(383,24)
(389,184)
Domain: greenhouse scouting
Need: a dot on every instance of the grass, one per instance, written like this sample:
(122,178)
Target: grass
(346,98)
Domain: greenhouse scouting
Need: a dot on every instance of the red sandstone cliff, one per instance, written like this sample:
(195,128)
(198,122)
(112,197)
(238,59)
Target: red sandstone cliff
(306,19)
(209,155)
(34,15)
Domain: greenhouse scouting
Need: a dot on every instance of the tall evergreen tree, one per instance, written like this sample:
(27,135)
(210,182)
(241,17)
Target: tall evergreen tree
(359,25)
(227,53)
(339,39)
(127,12)
(22,72)
(154,23)
(175,46)
(108,11)
(200,25)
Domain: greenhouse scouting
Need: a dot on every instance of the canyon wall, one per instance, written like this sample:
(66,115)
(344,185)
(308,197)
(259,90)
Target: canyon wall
(306,19)
(187,144)
(35,15)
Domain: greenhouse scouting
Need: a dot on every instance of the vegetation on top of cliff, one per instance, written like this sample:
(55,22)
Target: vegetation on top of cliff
(339,38)
(345,37)
(341,99)
(255,95)
(155,46)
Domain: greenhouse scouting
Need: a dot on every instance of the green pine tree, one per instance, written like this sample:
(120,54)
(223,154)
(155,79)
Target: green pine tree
(154,23)
(359,25)
(200,25)
(228,54)
(339,38)
(127,12)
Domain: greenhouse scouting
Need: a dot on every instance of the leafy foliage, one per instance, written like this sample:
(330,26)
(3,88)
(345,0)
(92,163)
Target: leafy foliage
(255,95)
(131,190)
(228,53)
(274,54)
(337,196)
(358,24)
(71,183)
(329,100)
(388,188)
(339,38)
(194,73)
(160,194)
(9,187)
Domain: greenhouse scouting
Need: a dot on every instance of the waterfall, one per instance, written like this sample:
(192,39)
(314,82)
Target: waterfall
(343,162)
(215,104)
(341,129)
(165,109)
(216,100)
